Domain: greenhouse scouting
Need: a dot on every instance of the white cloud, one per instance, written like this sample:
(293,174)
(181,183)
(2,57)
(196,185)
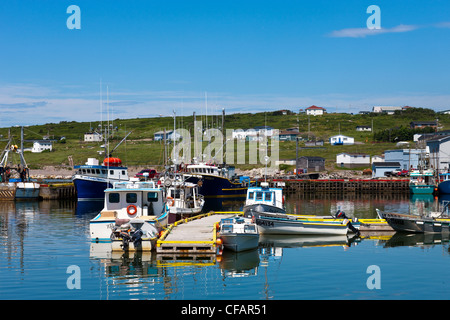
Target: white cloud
(363,32)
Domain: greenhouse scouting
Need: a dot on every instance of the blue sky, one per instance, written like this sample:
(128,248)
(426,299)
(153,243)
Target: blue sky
(159,56)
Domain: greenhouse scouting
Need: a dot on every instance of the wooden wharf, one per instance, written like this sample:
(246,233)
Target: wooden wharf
(57,191)
(192,235)
(292,186)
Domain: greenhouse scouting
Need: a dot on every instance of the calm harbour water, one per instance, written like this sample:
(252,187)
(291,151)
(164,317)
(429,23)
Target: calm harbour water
(39,241)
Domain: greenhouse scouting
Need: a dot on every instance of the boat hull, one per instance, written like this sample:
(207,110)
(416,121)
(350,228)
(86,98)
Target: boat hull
(176,214)
(91,188)
(100,229)
(274,225)
(27,190)
(257,209)
(444,187)
(417,224)
(238,242)
(214,186)
(145,245)
(421,189)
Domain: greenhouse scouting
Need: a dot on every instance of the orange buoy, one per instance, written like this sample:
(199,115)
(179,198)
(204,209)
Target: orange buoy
(219,241)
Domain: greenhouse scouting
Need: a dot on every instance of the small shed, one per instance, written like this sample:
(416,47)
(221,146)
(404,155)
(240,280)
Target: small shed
(379,168)
(310,164)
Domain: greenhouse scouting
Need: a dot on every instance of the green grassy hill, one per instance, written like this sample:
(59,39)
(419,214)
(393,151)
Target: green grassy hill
(140,149)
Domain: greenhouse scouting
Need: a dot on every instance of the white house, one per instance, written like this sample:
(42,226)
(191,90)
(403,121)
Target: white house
(315,111)
(386,109)
(352,160)
(41,145)
(93,137)
(341,140)
(363,128)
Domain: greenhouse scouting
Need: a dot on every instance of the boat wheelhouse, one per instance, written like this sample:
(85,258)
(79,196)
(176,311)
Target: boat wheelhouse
(215,181)
(184,200)
(91,179)
(263,199)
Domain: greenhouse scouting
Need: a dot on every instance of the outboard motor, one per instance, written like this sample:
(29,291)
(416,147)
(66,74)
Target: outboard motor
(341,215)
(137,238)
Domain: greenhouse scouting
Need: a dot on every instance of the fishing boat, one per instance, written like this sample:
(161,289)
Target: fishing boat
(263,199)
(91,179)
(433,223)
(131,202)
(238,234)
(421,181)
(16,180)
(444,183)
(217,181)
(290,224)
(184,200)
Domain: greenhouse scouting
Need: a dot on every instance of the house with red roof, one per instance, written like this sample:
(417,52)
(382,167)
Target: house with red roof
(315,111)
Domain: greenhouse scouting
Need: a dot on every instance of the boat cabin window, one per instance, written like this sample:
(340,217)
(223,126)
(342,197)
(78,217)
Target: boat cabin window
(152,196)
(103,171)
(251,195)
(111,171)
(123,172)
(259,196)
(268,196)
(249,228)
(131,197)
(114,197)
(227,228)
(97,171)
(176,194)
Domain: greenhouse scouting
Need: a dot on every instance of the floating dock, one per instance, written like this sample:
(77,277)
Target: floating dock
(192,235)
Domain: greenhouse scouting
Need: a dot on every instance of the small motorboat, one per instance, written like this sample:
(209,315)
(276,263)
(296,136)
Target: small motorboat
(290,224)
(238,234)
(415,223)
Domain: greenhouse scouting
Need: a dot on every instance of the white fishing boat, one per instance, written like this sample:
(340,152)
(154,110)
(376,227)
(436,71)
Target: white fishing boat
(184,200)
(238,234)
(140,204)
(289,224)
(263,199)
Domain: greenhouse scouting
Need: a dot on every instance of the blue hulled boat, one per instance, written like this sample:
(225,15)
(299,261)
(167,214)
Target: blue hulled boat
(91,179)
(444,183)
(217,181)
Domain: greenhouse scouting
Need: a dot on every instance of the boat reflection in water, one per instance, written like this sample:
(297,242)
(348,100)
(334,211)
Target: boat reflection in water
(401,239)
(239,264)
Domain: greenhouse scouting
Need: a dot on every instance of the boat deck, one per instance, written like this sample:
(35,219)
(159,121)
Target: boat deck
(193,235)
